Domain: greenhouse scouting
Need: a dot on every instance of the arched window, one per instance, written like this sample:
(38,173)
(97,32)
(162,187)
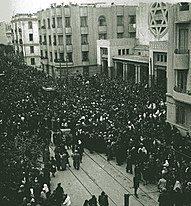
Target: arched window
(102,21)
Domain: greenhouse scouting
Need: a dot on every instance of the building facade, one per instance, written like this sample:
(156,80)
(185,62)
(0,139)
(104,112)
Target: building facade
(5,33)
(68,35)
(26,38)
(179,71)
(147,60)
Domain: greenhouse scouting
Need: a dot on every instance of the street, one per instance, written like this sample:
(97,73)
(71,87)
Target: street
(96,174)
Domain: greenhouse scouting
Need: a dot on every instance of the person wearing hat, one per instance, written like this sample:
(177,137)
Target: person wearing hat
(136,185)
(103,199)
(163,198)
(76,160)
(59,191)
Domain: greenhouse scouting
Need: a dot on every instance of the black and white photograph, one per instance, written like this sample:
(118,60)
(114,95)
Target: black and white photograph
(95,103)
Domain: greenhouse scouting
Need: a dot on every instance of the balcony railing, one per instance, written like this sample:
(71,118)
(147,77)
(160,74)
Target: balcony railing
(42,57)
(180,89)
(44,42)
(181,51)
(59,61)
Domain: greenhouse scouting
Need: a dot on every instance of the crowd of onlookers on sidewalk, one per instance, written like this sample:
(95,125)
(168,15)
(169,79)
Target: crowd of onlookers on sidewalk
(122,119)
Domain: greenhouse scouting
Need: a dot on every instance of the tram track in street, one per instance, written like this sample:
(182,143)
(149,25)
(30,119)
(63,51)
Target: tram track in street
(93,180)
(143,192)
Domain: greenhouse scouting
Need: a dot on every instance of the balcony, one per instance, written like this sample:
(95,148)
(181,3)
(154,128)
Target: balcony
(132,28)
(182,96)
(102,29)
(120,29)
(69,47)
(62,63)
(183,15)
(85,47)
(59,30)
(68,30)
(44,60)
(84,30)
(181,59)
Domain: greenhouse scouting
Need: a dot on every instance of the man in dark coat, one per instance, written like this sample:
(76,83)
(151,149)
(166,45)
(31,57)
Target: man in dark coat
(103,199)
(59,191)
(136,185)
(76,160)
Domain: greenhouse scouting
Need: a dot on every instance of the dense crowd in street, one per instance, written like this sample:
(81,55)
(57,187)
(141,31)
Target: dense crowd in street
(122,119)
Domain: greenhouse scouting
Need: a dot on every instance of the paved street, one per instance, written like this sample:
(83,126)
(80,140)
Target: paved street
(97,174)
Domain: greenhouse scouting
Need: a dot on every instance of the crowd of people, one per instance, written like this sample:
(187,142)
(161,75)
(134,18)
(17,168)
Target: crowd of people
(122,119)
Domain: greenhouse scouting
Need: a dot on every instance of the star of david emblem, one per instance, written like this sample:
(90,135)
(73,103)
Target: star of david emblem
(158,19)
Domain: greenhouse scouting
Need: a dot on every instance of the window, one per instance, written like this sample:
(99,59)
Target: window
(119,35)
(69,57)
(46,54)
(41,53)
(67,21)
(180,115)
(85,56)
(162,58)
(40,39)
(56,55)
(103,36)
(181,83)
(54,40)
(132,19)
(158,57)
(68,39)
(165,58)
(61,56)
(30,24)
(31,49)
(60,39)
(32,61)
(119,20)
(39,24)
(51,56)
(44,24)
(183,41)
(53,22)
(119,51)
(30,37)
(139,53)
(59,22)
(50,40)
(127,51)
(84,39)
(48,23)
(44,39)
(102,21)
(83,21)
(123,51)
(184,6)
(104,51)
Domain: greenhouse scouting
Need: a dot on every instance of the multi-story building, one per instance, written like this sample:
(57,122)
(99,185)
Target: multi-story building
(179,71)
(5,33)
(26,38)
(143,59)
(68,35)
